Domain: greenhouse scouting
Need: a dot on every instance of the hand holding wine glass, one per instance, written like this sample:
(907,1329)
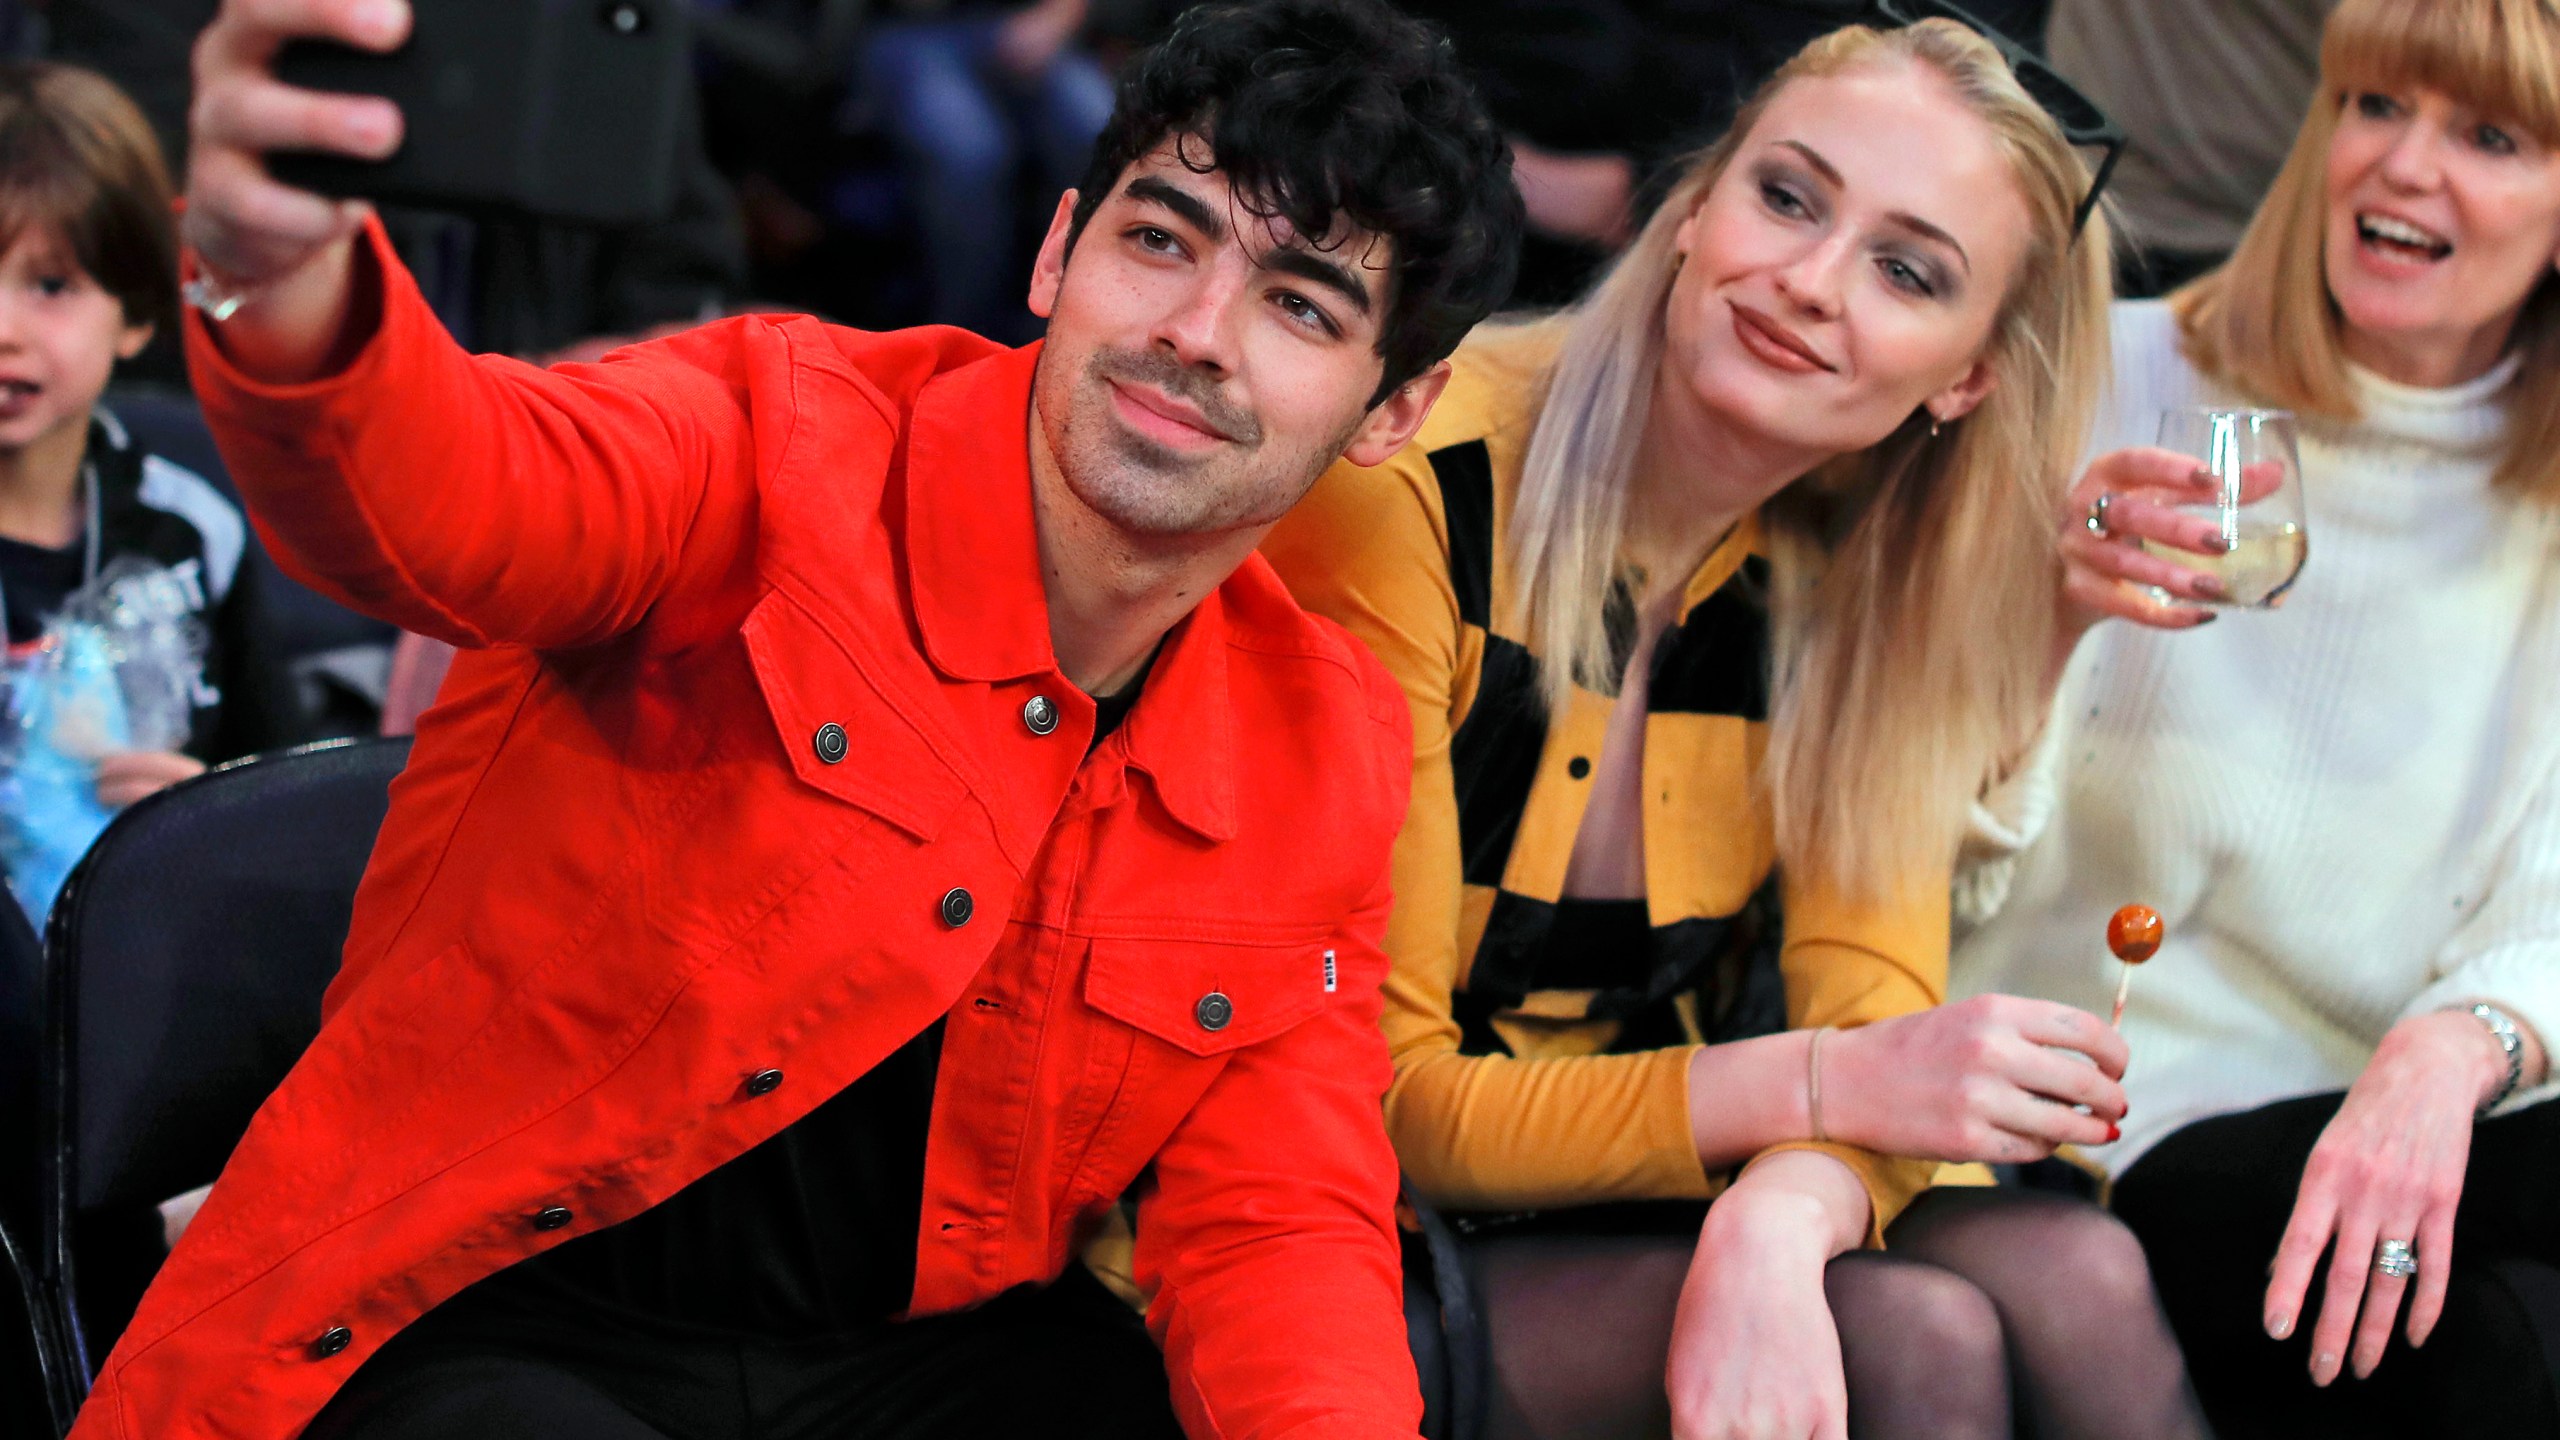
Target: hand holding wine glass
(2253,468)
(2209,519)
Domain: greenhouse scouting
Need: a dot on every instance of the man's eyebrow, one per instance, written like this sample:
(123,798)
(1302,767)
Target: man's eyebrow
(1905,219)
(1191,209)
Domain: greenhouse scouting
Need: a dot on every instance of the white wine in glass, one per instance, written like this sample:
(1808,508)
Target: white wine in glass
(2256,464)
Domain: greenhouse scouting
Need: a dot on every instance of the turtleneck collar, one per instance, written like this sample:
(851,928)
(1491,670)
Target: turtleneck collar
(2465,419)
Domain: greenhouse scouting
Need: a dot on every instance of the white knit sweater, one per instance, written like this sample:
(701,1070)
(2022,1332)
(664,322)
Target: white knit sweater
(2345,809)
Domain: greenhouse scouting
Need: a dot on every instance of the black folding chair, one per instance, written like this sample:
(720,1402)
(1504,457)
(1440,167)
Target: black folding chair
(30,1387)
(21,1031)
(28,1356)
(184,965)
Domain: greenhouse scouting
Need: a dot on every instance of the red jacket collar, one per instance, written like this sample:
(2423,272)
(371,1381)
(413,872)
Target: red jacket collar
(973,561)
(972,556)
(1183,733)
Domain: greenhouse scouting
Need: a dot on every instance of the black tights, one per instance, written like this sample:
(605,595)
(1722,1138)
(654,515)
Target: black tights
(1994,1313)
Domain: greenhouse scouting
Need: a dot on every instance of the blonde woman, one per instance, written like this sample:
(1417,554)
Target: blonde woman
(1736,576)
(2349,811)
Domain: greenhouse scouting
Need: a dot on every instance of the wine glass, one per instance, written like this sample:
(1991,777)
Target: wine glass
(2256,464)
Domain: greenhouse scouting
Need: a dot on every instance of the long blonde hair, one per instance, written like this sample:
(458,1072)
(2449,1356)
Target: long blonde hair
(1914,581)
(2264,322)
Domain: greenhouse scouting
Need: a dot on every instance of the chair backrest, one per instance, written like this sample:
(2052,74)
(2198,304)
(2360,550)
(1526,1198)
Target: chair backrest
(21,1034)
(32,1400)
(184,965)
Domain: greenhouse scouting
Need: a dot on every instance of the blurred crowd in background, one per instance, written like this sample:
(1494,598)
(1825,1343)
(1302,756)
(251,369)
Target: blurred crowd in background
(886,163)
(892,162)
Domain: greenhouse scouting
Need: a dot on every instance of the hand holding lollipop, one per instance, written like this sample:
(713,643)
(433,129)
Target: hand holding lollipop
(2134,935)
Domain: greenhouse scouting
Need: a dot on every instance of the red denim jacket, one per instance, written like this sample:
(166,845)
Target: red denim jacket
(739,782)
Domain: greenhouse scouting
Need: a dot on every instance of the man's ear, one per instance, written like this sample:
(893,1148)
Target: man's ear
(1958,400)
(1393,422)
(1050,270)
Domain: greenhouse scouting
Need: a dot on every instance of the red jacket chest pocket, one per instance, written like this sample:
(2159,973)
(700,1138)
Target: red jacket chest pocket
(1205,998)
(845,735)
(1167,1015)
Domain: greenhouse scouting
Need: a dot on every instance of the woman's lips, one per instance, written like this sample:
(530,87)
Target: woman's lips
(1774,346)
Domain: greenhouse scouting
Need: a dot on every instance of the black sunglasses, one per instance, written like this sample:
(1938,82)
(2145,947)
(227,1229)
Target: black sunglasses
(2081,121)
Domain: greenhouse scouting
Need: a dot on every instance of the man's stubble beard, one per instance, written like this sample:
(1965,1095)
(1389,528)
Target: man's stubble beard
(1146,488)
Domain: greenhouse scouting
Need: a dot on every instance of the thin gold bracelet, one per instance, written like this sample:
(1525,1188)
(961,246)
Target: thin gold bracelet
(1813,1084)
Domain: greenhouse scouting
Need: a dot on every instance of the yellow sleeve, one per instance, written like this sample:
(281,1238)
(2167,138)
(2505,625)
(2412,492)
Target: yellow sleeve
(1369,549)
(1847,964)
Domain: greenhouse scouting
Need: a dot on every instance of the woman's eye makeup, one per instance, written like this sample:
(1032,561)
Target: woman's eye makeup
(1912,275)
(2374,105)
(2494,139)
(1784,192)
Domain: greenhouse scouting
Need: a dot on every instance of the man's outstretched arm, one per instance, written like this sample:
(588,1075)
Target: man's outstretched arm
(478,500)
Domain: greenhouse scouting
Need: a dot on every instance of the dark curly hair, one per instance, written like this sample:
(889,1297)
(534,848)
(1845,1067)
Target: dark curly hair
(1322,109)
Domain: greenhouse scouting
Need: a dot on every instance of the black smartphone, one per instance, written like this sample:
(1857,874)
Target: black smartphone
(562,109)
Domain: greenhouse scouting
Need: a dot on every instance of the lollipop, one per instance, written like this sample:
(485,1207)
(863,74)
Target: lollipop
(2134,934)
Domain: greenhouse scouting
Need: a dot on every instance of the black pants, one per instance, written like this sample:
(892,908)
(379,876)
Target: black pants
(2210,1204)
(1067,1360)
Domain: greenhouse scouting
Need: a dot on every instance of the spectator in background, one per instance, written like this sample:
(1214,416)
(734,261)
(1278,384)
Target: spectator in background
(88,272)
(2209,94)
(967,92)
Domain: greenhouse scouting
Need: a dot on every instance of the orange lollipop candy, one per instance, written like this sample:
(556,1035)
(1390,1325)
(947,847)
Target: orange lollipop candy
(2133,933)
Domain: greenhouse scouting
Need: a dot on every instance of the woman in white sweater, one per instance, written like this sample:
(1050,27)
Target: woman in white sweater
(2347,809)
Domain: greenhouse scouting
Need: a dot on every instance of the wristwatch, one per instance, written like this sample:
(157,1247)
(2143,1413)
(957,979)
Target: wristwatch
(2502,1025)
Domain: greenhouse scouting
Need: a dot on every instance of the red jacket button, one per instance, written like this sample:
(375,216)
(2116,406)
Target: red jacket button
(831,743)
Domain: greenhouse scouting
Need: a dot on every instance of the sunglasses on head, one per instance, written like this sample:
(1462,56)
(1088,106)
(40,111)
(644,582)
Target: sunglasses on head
(2081,121)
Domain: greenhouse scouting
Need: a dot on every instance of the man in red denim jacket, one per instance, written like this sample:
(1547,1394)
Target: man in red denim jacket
(882,814)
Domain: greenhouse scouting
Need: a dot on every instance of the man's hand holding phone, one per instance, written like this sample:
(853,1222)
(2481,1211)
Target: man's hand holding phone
(289,251)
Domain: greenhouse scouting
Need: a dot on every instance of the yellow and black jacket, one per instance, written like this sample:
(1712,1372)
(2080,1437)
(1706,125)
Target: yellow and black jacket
(1525,1077)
